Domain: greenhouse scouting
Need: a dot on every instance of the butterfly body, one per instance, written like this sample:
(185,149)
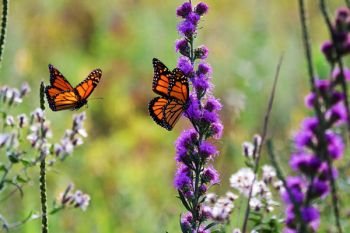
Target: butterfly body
(62,96)
(172,86)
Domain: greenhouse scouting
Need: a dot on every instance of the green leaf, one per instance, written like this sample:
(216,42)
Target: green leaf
(210,225)
(183,200)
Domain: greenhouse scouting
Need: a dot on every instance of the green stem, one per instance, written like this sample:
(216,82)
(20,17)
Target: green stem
(5,6)
(258,152)
(43,197)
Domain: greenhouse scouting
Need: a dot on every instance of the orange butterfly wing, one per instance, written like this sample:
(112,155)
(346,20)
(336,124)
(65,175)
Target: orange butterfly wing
(64,100)
(161,78)
(58,82)
(165,112)
(173,87)
(86,87)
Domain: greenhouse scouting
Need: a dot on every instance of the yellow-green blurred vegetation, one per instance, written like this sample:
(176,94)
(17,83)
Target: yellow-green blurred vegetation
(127,162)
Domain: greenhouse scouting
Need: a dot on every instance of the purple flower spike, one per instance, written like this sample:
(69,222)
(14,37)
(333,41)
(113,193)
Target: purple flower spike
(184,10)
(182,180)
(201,84)
(186,28)
(201,8)
(185,65)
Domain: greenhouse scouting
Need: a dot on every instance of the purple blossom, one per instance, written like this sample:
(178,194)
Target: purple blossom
(203,68)
(185,65)
(201,52)
(184,10)
(210,175)
(201,84)
(336,74)
(193,18)
(182,180)
(310,100)
(187,140)
(217,129)
(310,123)
(306,163)
(303,138)
(210,117)
(186,28)
(295,184)
(337,114)
(193,111)
(335,145)
(182,46)
(212,104)
(319,188)
(206,149)
(311,215)
(201,8)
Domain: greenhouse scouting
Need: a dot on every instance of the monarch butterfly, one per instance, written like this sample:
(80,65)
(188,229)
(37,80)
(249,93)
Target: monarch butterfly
(61,95)
(172,86)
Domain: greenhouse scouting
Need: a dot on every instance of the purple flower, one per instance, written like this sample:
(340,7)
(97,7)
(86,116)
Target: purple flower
(328,51)
(193,18)
(337,114)
(335,145)
(186,220)
(187,140)
(213,105)
(201,84)
(185,65)
(311,215)
(203,68)
(210,117)
(184,10)
(201,52)
(182,180)
(210,175)
(306,163)
(216,130)
(201,8)
(193,112)
(310,100)
(310,123)
(303,138)
(336,74)
(206,149)
(295,184)
(319,188)
(182,46)
(186,28)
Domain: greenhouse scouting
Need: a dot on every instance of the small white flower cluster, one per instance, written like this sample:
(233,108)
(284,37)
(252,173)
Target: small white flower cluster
(39,132)
(12,96)
(219,209)
(261,195)
(72,137)
(77,198)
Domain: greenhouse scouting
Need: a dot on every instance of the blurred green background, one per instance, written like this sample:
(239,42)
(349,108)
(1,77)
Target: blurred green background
(127,162)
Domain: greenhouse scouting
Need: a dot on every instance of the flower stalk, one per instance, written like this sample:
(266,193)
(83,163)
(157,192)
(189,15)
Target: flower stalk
(193,150)
(42,179)
(4,17)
